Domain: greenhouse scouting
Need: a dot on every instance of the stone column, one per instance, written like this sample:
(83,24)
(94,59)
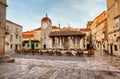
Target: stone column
(55,42)
(63,42)
(81,43)
(71,42)
(60,42)
(2,26)
(3,5)
(76,42)
(30,43)
(68,38)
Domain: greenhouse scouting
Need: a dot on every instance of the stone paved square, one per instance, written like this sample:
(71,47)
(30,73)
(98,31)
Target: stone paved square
(61,67)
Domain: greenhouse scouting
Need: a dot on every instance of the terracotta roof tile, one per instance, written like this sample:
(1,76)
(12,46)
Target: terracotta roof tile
(28,34)
(85,29)
(45,19)
(55,27)
(101,17)
(69,28)
(66,33)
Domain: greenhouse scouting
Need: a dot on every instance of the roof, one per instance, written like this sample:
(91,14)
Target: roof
(55,27)
(37,29)
(45,19)
(101,17)
(69,28)
(14,23)
(89,23)
(85,29)
(66,33)
(28,34)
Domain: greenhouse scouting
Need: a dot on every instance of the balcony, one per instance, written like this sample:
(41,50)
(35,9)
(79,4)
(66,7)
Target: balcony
(7,32)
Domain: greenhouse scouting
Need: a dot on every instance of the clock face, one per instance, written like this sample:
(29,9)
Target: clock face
(45,25)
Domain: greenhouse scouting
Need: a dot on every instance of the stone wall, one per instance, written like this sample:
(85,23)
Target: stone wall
(13,39)
(2,26)
(113,10)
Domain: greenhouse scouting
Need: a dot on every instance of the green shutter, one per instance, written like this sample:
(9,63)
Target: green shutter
(28,45)
(37,45)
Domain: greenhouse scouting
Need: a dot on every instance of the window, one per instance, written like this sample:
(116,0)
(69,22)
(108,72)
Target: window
(11,38)
(11,46)
(115,48)
(20,38)
(37,45)
(16,33)
(7,28)
(16,30)
(16,36)
(116,25)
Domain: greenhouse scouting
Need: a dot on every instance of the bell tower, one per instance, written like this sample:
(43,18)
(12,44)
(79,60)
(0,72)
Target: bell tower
(46,28)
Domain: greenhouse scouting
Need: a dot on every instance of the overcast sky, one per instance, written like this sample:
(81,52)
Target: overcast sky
(77,13)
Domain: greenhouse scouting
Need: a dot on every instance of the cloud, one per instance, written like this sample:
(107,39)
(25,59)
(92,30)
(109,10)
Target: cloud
(78,11)
(75,12)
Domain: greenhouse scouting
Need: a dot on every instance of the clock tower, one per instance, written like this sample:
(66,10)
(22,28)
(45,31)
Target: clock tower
(46,28)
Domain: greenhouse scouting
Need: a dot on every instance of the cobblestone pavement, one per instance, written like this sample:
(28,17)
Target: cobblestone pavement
(29,66)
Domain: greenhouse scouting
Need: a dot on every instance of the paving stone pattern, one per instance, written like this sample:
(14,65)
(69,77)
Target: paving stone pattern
(61,67)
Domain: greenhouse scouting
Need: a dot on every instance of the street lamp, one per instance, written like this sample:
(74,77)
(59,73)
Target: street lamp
(44,27)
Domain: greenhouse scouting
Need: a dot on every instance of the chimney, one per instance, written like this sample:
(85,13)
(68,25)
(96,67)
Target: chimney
(59,26)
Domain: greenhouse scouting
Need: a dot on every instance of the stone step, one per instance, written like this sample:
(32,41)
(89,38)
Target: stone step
(6,59)
(10,60)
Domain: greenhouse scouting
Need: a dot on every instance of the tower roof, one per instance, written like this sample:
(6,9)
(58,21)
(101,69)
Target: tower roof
(46,19)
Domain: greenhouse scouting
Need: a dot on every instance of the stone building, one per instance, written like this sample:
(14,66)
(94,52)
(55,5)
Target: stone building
(87,40)
(67,39)
(30,40)
(13,37)
(46,28)
(99,32)
(55,37)
(113,10)
(3,5)
(34,39)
